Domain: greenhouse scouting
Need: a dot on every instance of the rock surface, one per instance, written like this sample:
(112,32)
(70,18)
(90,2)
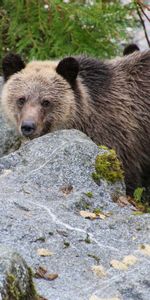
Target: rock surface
(43,187)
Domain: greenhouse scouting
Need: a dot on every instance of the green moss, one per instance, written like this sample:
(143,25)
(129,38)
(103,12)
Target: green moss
(32,291)
(87,239)
(97,210)
(108,166)
(141,200)
(137,213)
(97,259)
(89,194)
(66,244)
(138,194)
(13,291)
(103,147)
(96,177)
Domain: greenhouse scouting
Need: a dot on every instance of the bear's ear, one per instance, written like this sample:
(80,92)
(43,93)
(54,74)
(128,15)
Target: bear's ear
(11,64)
(68,68)
(130,49)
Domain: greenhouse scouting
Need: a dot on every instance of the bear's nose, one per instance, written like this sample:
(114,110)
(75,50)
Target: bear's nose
(28,128)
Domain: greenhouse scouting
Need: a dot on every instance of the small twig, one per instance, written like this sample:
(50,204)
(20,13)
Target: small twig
(141,8)
(143,5)
(143,24)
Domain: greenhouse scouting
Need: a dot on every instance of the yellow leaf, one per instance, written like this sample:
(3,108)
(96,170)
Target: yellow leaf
(92,215)
(129,260)
(119,265)
(88,215)
(51,276)
(101,216)
(99,271)
(44,252)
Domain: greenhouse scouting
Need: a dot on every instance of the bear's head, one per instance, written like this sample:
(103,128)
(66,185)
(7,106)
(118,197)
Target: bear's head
(39,97)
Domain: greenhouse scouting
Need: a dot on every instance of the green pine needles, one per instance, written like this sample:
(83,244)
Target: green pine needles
(53,28)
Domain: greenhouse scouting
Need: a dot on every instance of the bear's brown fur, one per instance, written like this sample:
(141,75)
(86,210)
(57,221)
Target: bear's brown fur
(109,101)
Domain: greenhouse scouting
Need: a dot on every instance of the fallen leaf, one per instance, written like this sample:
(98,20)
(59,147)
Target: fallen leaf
(44,252)
(116,264)
(101,216)
(66,190)
(42,273)
(99,271)
(145,249)
(122,201)
(129,260)
(88,215)
(51,276)
(92,215)
(139,207)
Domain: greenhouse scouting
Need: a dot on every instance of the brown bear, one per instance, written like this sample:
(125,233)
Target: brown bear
(107,100)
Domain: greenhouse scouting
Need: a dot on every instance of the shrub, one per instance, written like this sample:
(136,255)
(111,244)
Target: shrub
(48,29)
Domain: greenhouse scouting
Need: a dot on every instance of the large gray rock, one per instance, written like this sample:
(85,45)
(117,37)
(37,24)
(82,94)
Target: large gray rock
(43,187)
(9,139)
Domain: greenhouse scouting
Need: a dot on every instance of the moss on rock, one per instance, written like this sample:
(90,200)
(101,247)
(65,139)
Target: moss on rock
(108,166)
(89,194)
(13,290)
(142,199)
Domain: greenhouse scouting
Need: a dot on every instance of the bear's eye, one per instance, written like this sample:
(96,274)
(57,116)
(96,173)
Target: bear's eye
(45,103)
(21,101)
